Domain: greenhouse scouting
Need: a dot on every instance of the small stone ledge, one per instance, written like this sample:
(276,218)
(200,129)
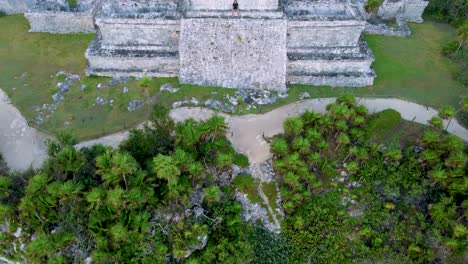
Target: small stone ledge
(352,79)
(376,27)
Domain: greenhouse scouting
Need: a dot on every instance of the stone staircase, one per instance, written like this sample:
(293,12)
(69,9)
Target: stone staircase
(338,66)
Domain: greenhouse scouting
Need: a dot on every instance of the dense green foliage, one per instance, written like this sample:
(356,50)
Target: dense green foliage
(453,11)
(156,199)
(347,198)
(166,196)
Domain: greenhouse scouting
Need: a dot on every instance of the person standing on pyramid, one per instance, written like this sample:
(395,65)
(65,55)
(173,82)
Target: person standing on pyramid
(235,8)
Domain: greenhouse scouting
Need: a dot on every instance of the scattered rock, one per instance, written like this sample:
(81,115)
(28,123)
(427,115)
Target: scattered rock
(168,87)
(219,106)
(125,89)
(39,119)
(82,87)
(282,94)
(100,86)
(118,80)
(111,102)
(255,96)
(303,96)
(101,101)
(192,101)
(254,212)
(134,105)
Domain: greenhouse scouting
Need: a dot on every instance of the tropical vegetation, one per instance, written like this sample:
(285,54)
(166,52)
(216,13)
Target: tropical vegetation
(167,195)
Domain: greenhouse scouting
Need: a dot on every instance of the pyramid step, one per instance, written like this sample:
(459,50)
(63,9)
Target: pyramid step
(350,79)
(260,14)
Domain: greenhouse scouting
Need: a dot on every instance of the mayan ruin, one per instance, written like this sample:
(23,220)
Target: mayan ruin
(266,45)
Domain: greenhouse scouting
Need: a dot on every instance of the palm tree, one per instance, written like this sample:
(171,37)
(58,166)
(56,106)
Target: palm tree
(279,147)
(343,139)
(436,123)
(216,126)
(165,168)
(293,126)
(301,145)
(447,112)
(431,138)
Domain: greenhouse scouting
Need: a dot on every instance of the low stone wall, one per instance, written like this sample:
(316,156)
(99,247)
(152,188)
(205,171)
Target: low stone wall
(390,9)
(346,65)
(61,22)
(406,10)
(335,80)
(13,6)
(324,33)
(414,10)
(162,34)
(104,62)
(382,29)
(233,53)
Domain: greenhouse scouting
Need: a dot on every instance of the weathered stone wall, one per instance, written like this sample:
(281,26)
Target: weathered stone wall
(233,53)
(61,22)
(324,33)
(407,10)
(131,63)
(227,4)
(144,34)
(382,29)
(390,9)
(13,6)
(414,10)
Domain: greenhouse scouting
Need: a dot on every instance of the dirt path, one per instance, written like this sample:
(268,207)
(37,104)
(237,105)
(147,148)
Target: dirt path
(246,132)
(23,146)
(20,145)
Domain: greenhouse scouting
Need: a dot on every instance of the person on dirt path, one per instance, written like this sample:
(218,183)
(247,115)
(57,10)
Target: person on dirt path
(235,8)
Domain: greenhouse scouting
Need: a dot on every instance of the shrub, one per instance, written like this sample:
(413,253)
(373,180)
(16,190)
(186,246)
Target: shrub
(450,48)
(72,3)
(382,122)
(373,5)
(241,160)
(246,184)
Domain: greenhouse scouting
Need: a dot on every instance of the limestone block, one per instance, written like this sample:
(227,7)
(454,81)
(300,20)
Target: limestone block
(61,22)
(335,80)
(141,34)
(227,4)
(56,16)
(390,9)
(233,53)
(414,10)
(324,33)
(13,6)
(114,63)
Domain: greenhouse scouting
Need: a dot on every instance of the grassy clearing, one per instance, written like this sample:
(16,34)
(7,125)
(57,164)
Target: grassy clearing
(387,127)
(248,185)
(412,69)
(269,188)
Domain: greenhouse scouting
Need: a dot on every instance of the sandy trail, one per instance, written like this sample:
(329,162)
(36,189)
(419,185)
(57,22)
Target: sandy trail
(246,132)
(20,145)
(23,146)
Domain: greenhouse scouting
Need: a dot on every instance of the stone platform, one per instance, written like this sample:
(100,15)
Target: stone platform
(203,42)
(233,52)
(56,16)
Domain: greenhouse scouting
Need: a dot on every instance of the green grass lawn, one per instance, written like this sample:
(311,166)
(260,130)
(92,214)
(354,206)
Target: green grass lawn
(411,68)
